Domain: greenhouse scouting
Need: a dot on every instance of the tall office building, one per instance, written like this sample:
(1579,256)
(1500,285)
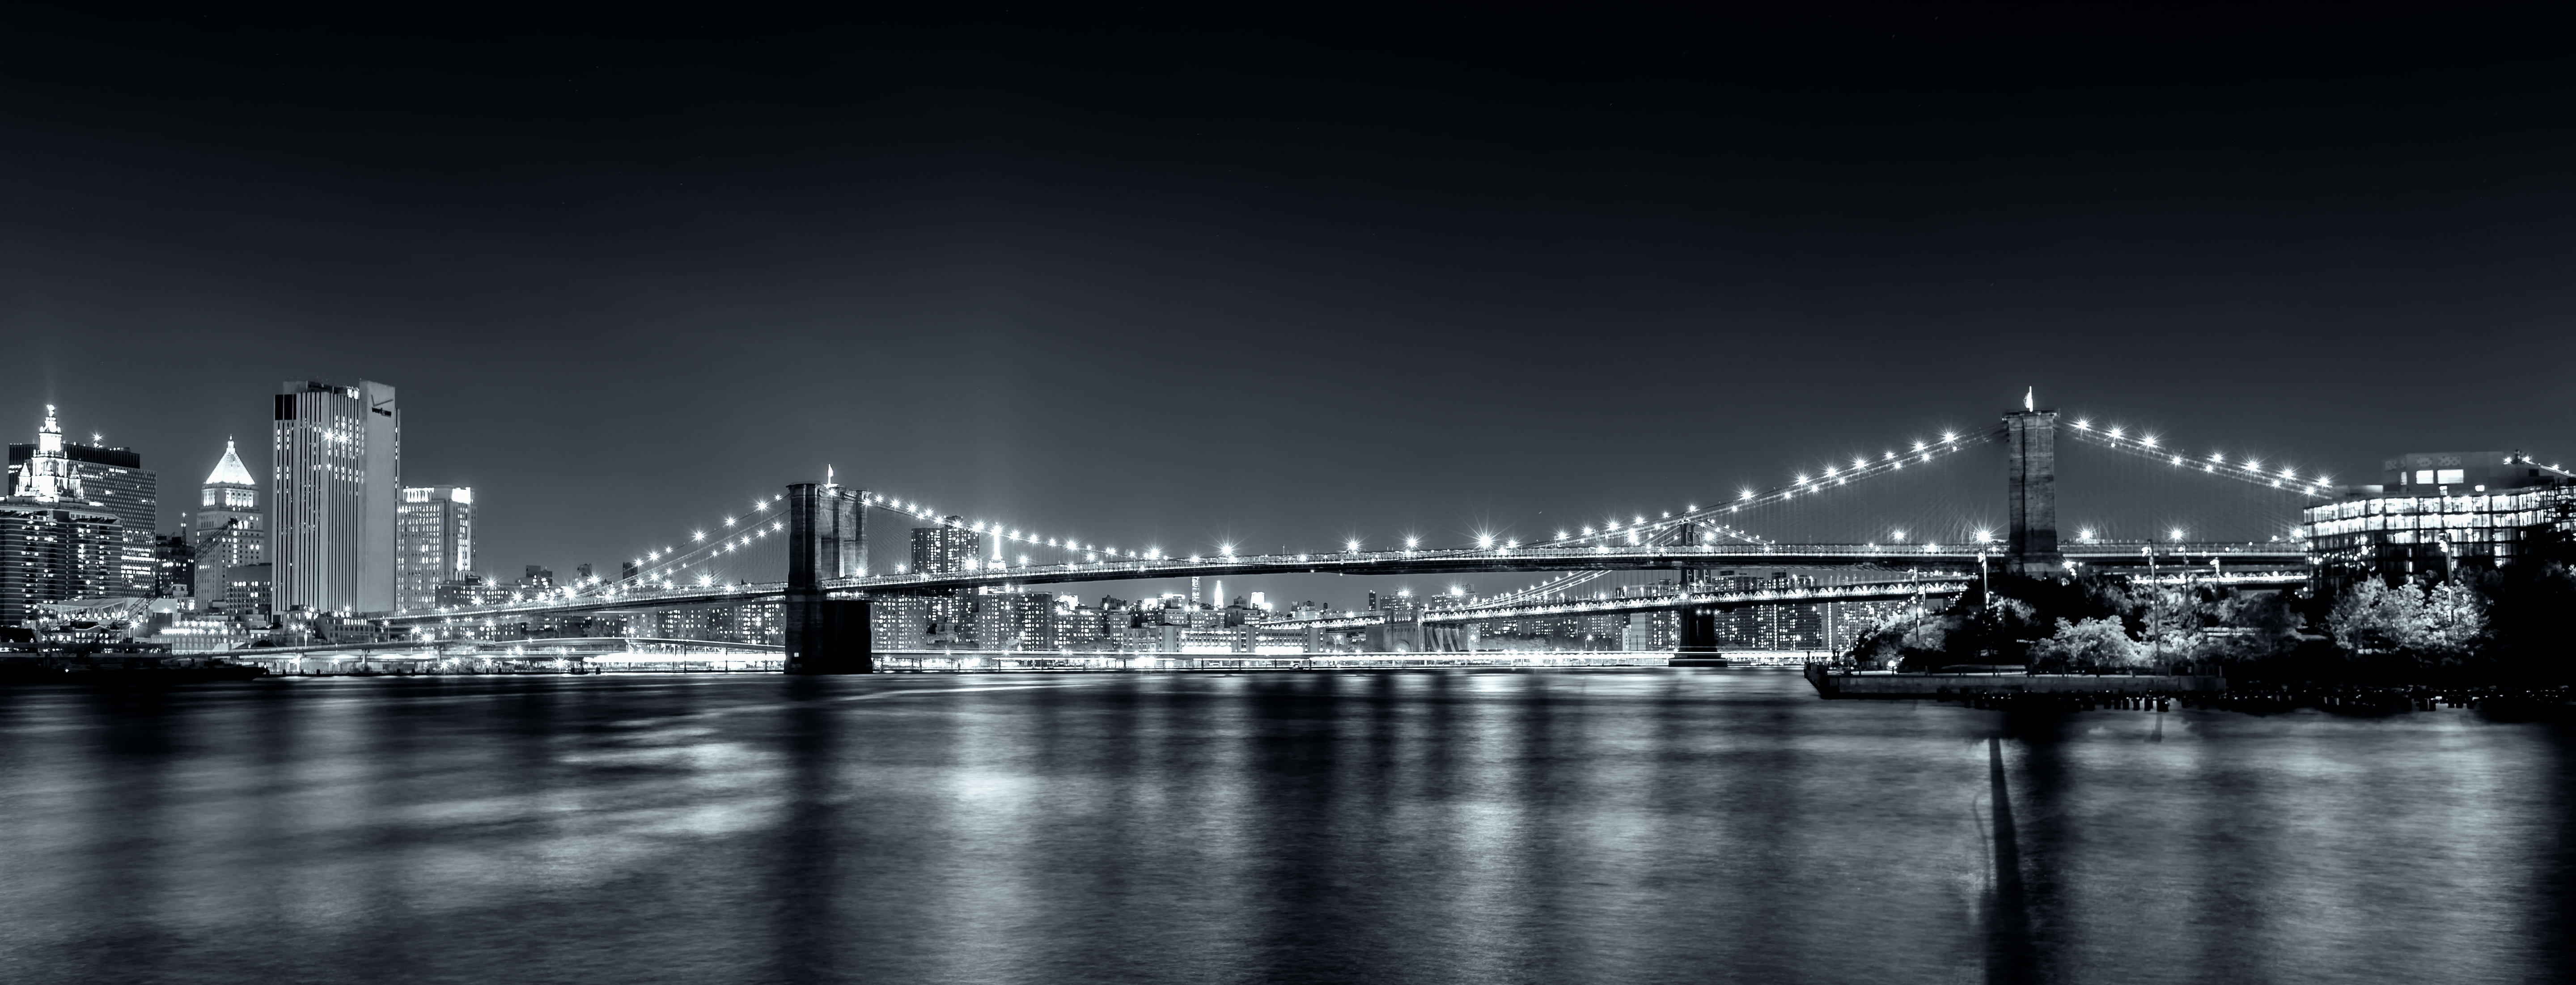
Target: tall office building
(335,476)
(435,542)
(55,543)
(114,479)
(228,530)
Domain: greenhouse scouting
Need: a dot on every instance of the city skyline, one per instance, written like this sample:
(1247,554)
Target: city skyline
(1198,258)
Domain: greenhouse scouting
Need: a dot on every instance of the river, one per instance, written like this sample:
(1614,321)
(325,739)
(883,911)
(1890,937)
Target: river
(1559,826)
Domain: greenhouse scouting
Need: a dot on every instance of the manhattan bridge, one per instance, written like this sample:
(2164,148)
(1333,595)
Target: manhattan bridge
(1911,521)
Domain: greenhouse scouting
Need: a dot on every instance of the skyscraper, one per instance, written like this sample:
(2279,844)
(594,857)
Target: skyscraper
(435,542)
(228,530)
(56,544)
(113,479)
(335,474)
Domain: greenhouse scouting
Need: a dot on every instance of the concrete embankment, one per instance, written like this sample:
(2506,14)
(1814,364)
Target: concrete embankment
(1884,684)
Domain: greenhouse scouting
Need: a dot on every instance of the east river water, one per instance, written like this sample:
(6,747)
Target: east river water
(1612,826)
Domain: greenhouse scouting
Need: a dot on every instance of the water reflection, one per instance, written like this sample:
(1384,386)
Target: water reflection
(1617,825)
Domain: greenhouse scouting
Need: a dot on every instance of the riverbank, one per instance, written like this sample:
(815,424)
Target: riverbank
(121,669)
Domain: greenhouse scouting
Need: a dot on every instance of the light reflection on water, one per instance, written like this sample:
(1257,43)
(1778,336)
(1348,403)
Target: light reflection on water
(1456,827)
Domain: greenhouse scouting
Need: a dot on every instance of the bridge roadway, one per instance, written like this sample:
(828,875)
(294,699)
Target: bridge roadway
(1888,591)
(1944,558)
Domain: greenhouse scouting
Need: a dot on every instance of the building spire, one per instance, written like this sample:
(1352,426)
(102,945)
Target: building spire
(48,475)
(2030,399)
(229,470)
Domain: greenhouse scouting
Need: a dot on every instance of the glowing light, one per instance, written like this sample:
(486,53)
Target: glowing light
(2174,534)
(2115,432)
(1985,537)
(1949,436)
(1748,494)
(1918,446)
(728,521)
(1412,542)
(1352,546)
(1485,540)
(2081,424)
(698,535)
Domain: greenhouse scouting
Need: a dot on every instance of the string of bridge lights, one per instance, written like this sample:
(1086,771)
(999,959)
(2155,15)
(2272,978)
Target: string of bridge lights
(1831,475)
(657,567)
(2247,468)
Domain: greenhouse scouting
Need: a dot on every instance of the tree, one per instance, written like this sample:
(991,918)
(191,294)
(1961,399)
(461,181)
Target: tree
(2371,617)
(2089,643)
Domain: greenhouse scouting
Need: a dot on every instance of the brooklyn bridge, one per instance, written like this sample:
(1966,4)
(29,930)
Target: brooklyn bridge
(844,572)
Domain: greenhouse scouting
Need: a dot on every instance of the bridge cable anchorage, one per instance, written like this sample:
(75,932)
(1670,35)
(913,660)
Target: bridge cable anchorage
(1921,452)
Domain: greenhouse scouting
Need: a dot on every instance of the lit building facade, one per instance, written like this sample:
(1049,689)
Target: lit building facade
(335,475)
(229,530)
(434,542)
(57,545)
(2435,513)
(115,480)
(946,548)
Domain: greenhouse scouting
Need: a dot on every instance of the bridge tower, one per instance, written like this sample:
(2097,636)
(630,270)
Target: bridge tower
(1697,629)
(2030,490)
(826,539)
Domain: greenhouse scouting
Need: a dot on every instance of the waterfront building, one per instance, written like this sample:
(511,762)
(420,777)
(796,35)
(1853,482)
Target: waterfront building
(1013,620)
(228,530)
(335,471)
(2437,513)
(467,588)
(57,544)
(900,623)
(115,480)
(434,542)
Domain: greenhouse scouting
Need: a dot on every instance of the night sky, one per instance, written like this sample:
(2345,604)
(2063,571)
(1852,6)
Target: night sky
(1277,280)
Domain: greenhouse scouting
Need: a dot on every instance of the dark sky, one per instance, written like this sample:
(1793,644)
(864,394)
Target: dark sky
(1280,279)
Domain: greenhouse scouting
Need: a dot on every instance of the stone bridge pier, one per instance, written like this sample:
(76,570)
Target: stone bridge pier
(826,539)
(2030,492)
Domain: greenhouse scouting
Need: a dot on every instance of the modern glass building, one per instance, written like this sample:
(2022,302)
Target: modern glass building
(434,530)
(335,477)
(2437,513)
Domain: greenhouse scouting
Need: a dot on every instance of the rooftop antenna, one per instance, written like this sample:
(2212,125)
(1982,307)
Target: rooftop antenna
(827,478)
(2030,399)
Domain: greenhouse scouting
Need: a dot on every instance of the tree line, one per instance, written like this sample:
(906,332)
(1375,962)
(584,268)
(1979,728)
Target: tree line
(2507,624)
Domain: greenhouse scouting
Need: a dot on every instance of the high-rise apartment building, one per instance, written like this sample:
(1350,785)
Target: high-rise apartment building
(228,531)
(335,476)
(952,547)
(434,543)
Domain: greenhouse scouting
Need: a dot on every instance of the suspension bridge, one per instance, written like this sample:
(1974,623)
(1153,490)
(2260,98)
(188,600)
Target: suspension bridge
(831,578)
